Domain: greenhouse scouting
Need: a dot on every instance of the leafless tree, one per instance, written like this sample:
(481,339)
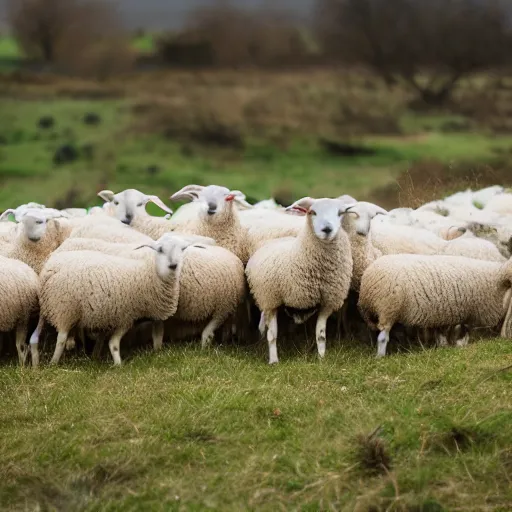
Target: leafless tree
(429,44)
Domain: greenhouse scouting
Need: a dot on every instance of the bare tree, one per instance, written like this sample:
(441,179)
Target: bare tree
(40,25)
(430,45)
(79,36)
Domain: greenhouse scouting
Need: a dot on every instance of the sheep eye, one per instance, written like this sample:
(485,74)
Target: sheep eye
(340,213)
(139,204)
(39,221)
(116,203)
(312,212)
(160,249)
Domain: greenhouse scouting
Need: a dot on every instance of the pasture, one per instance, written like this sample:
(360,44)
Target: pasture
(185,429)
(427,430)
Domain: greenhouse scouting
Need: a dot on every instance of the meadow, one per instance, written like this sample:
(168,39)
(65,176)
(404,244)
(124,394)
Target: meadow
(422,430)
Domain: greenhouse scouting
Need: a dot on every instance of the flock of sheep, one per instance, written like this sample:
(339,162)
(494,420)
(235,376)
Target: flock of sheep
(439,270)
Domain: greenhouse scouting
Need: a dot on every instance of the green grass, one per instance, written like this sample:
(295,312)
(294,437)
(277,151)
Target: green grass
(144,43)
(122,157)
(9,48)
(221,430)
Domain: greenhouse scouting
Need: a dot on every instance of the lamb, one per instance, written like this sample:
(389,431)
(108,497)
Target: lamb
(312,270)
(35,239)
(212,280)
(91,290)
(19,300)
(218,217)
(435,292)
(129,207)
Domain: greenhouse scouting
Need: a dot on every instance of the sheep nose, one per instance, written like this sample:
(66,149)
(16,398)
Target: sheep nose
(212,208)
(128,219)
(327,230)
(173,266)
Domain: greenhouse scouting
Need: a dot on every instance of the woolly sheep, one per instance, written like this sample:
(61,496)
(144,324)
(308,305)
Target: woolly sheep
(435,292)
(35,239)
(500,204)
(74,289)
(356,223)
(129,207)
(19,300)
(312,270)
(218,217)
(212,279)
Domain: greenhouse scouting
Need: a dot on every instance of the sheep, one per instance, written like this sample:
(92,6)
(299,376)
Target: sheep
(19,300)
(212,279)
(471,247)
(356,222)
(129,207)
(435,292)
(35,239)
(96,291)
(217,218)
(500,204)
(313,270)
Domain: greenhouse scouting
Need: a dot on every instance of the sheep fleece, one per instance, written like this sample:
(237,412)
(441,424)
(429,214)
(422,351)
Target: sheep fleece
(433,291)
(18,291)
(99,291)
(301,272)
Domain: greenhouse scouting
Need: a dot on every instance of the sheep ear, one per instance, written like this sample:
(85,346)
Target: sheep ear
(239,198)
(188,193)
(6,213)
(156,200)
(301,206)
(106,195)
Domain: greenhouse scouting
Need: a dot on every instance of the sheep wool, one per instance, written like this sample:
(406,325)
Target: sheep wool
(96,291)
(434,292)
(304,272)
(19,300)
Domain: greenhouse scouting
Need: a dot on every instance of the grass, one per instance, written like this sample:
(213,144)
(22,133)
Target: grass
(9,48)
(121,157)
(189,430)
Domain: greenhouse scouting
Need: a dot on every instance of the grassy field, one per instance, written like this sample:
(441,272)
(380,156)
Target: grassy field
(428,430)
(153,145)
(189,430)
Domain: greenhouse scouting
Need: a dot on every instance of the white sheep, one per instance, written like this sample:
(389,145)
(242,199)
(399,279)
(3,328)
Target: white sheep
(217,218)
(91,290)
(19,300)
(212,279)
(435,292)
(311,271)
(35,239)
(129,206)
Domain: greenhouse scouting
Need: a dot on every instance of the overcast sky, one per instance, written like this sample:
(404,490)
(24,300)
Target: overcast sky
(171,13)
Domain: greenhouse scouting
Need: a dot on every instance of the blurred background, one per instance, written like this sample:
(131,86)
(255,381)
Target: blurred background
(394,101)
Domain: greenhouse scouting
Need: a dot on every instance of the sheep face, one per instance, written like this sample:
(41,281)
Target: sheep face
(215,201)
(361,215)
(324,216)
(34,226)
(129,204)
(169,251)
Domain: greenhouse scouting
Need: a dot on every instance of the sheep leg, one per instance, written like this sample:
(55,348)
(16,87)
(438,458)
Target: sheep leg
(271,320)
(158,335)
(21,338)
(62,337)
(382,340)
(262,325)
(114,345)
(34,342)
(209,332)
(70,343)
(321,327)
